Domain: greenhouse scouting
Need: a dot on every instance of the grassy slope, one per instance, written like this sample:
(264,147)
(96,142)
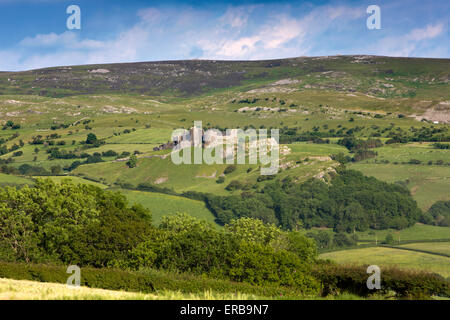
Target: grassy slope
(392,257)
(438,247)
(6,179)
(427,184)
(417,232)
(163,204)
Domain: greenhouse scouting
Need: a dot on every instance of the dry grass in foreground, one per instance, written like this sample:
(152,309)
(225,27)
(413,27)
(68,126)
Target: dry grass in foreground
(32,290)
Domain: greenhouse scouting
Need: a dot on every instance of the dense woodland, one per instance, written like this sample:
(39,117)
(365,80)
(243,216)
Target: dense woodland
(350,202)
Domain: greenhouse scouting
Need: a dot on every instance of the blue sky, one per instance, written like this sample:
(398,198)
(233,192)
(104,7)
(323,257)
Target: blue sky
(33,33)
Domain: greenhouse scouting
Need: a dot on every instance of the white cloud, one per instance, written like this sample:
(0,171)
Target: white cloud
(236,17)
(280,36)
(428,32)
(150,15)
(410,44)
(68,39)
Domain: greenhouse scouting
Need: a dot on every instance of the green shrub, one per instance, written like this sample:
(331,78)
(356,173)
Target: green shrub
(229,169)
(405,283)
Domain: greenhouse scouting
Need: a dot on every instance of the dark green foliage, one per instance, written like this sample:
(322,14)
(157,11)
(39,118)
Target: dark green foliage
(363,154)
(414,161)
(341,158)
(354,144)
(221,179)
(28,170)
(438,214)
(184,244)
(323,239)
(341,239)
(410,284)
(68,223)
(351,202)
(444,146)
(389,239)
(91,138)
(229,169)
(109,153)
(132,162)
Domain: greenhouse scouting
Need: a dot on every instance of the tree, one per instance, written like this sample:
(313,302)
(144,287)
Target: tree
(18,239)
(68,223)
(253,230)
(389,239)
(56,170)
(91,138)
(132,162)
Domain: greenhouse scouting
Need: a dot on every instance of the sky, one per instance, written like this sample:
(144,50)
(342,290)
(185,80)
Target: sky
(34,33)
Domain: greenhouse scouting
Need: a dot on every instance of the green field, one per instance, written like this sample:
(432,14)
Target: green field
(392,257)
(437,247)
(143,136)
(7,179)
(427,184)
(417,232)
(75,180)
(424,152)
(163,204)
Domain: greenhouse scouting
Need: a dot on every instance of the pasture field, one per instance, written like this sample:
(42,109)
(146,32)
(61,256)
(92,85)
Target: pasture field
(403,153)
(437,247)
(417,232)
(312,149)
(7,179)
(153,136)
(427,184)
(163,204)
(75,180)
(383,256)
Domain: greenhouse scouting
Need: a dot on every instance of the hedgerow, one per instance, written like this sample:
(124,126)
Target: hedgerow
(405,283)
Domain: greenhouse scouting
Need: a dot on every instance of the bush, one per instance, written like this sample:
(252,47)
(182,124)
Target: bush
(132,162)
(234,185)
(221,179)
(91,138)
(414,161)
(229,169)
(348,278)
